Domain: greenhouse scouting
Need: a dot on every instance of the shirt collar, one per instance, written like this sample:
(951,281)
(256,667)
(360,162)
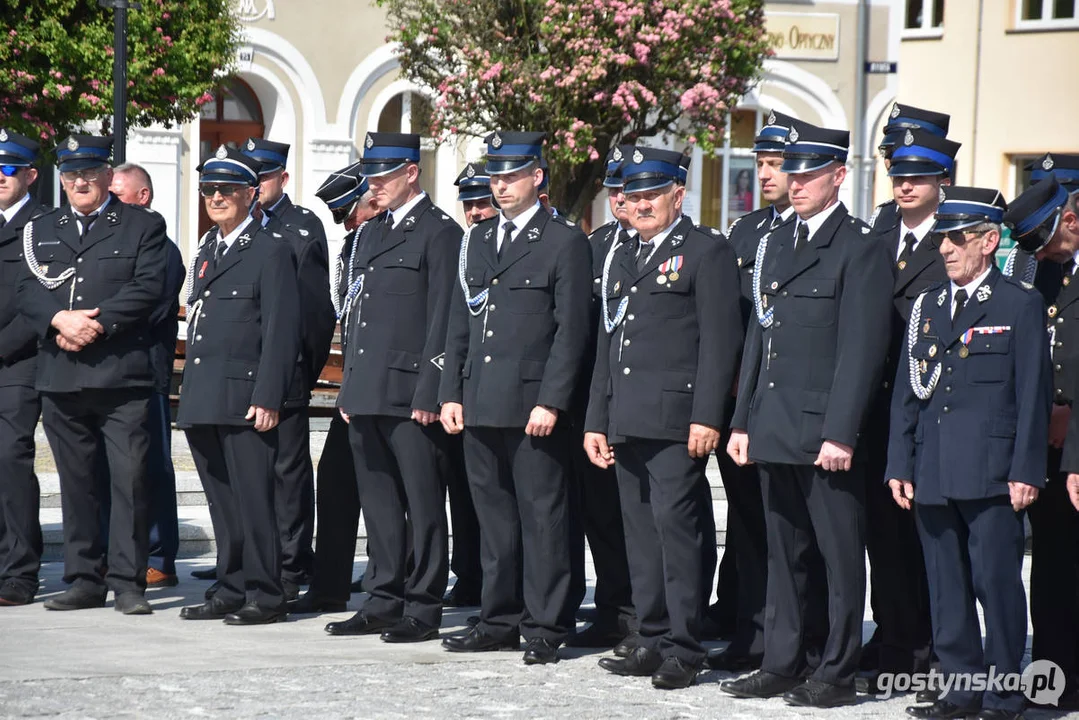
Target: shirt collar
(659,238)
(273,210)
(402,212)
(521,220)
(100,209)
(232,236)
(973,285)
(818,220)
(920,231)
(785,215)
(1075,260)
(12,211)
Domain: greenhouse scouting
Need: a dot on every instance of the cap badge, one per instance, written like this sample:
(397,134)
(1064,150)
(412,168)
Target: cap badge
(895,111)
(617,154)
(638,156)
(496,141)
(72,144)
(222,153)
(250,143)
(1047,163)
(471,172)
(793,135)
(941,196)
(772,118)
(369,142)
(3,135)
(908,138)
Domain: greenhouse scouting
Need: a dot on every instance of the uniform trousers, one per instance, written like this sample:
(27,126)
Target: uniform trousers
(294,498)
(974,551)
(338,499)
(667,515)
(813,515)
(75,423)
(520,490)
(465,561)
(20,530)
(402,493)
(236,465)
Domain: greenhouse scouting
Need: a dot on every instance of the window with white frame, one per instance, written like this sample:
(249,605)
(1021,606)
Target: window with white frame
(729,186)
(924,15)
(1047,11)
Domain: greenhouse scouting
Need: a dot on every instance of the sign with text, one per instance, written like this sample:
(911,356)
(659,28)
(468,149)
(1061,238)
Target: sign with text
(803,36)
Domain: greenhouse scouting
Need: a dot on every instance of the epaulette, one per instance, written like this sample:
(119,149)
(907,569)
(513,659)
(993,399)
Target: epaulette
(876,211)
(1028,287)
(734,223)
(865,229)
(41,211)
(565,221)
(709,230)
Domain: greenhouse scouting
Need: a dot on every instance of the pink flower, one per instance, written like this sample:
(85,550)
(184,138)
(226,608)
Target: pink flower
(158,72)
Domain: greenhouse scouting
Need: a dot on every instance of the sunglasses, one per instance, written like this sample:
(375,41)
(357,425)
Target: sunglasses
(226,189)
(10,170)
(960,237)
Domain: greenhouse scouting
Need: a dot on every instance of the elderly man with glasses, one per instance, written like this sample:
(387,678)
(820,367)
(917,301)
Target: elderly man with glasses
(96,276)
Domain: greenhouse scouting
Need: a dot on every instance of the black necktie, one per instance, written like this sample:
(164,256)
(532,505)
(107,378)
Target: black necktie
(88,222)
(507,237)
(960,301)
(1069,267)
(623,236)
(3,221)
(219,251)
(776,220)
(909,241)
(644,253)
(802,236)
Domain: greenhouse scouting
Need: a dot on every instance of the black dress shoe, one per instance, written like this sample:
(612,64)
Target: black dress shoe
(476,640)
(253,614)
(927,696)
(596,636)
(208,574)
(290,589)
(357,585)
(472,620)
(675,674)
(540,652)
(360,624)
(760,684)
(132,603)
(814,693)
(310,603)
(77,598)
(732,662)
(628,644)
(462,596)
(212,590)
(409,630)
(940,710)
(641,662)
(210,610)
(13,592)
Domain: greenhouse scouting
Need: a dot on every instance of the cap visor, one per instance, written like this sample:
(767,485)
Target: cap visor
(950,225)
(914,168)
(14,160)
(646,184)
(81,164)
(475,194)
(503,167)
(615,182)
(805,164)
(378,169)
(768,146)
(226,178)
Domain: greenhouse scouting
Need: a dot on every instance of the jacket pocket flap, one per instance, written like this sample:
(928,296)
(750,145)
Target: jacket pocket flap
(400,360)
(236,292)
(410,260)
(532,369)
(1002,428)
(998,343)
(679,382)
(238,370)
(813,287)
(120,253)
(531,282)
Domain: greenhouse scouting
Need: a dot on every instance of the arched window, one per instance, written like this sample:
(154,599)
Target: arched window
(410,112)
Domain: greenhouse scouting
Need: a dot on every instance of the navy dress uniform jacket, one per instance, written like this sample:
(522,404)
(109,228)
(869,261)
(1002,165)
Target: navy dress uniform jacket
(672,360)
(812,376)
(18,338)
(526,348)
(397,325)
(243,330)
(744,234)
(987,422)
(119,268)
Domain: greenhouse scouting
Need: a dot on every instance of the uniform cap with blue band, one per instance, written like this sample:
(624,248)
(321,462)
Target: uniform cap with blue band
(272,156)
(512,151)
(612,178)
(16,149)
(79,152)
(964,207)
(773,136)
(229,165)
(1034,215)
(904,117)
(1064,167)
(385,152)
(650,169)
(811,148)
(473,183)
(342,187)
(921,153)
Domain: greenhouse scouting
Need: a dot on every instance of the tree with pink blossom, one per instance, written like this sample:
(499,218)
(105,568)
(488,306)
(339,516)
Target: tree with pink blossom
(591,73)
(57,60)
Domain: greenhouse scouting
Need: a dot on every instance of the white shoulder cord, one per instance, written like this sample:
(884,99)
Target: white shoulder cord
(194,310)
(924,392)
(1029,271)
(355,285)
(763,317)
(610,323)
(476,303)
(39,272)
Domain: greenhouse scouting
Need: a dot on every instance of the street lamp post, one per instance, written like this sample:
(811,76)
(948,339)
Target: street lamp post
(119,75)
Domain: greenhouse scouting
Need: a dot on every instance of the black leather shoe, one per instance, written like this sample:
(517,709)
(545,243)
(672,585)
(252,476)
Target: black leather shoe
(626,647)
(596,636)
(209,610)
(410,630)
(476,640)
(212,590)
(290,589)
(675,674)
(309,603)
(540,652)
(252,614)
(997,714)
(208,574)
(732,662)
(760,684)
(814,693)
(360,624)
(472,620)
(132,603)
(940,710)
(462,596)
(641,662)
(357,585)
(927,696)
(13,592)
(77,598)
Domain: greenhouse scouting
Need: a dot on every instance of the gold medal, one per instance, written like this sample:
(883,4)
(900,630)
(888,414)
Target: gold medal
(739,262)
(902,264)
(45,269)
(923,366)
(1067,279)
(925,328)
(661,280)
(673,276)
(933,351)
(764,300)
(617,287)
(1052,311)
(963,351)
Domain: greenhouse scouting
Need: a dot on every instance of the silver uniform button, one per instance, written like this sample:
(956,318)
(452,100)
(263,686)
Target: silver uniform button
(495,281)
(487,359)
(206,294)
(626,371)
(198,360)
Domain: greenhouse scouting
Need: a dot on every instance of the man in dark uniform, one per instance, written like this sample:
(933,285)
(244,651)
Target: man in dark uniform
(597,487)
(1045,224)
(970,420)
(901,119)
(1024,266)
(295,495)
(742,576)
(97,274)
(921,163)
(813,359)
(337,498)
(20,405)
(400,280)
(665,362)
(474,194)
(514,355)
(243,336)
